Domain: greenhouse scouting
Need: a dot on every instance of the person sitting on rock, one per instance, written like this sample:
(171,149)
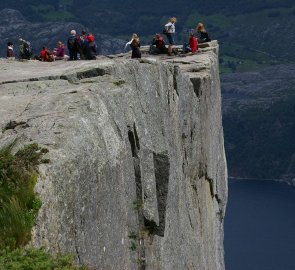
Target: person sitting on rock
(59,52)
(10,53)
(158,45)
(73,46)
(203,35)
(46,55)
(135,46)
(25,49)
(192,46)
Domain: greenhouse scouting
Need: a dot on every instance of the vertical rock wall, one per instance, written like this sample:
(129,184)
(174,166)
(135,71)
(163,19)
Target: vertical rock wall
(137,173)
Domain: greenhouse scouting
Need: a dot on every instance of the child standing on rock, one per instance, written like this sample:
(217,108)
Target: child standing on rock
(169,31)
(10,53)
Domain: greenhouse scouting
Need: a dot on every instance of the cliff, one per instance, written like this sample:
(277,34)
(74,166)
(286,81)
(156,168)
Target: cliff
(137,176)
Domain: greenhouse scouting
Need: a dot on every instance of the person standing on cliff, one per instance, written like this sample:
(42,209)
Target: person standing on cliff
(72,46)
(10,53)
(169,31)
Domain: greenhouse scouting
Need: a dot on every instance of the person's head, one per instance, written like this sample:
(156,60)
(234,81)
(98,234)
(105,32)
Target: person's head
(83,32)
(134,36)
(9,44)
(44,48)
(59,44)
(157,36)
(191,34)
(173,20)
(90,37)
(73,33)
(200,28)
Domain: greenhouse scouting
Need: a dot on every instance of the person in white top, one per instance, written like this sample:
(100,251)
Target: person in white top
(170,31)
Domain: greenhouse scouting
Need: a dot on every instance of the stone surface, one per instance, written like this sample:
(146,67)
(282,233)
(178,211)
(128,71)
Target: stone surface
(137,177)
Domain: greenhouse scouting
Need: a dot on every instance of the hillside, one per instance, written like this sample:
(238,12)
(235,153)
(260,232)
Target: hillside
(258,119)
(14,26)
(252,34)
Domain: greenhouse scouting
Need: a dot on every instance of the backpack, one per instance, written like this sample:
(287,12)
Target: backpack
(25,50)
(28,50)
(90,38)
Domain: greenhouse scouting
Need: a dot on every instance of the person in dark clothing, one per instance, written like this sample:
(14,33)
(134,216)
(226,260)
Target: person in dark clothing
(72,46)
(9,53)
(25,49)
(135,46)
(91,47)
(158,45)
(203,35)
(83,45)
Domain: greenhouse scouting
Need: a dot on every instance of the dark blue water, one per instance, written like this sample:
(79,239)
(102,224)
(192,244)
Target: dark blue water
(260,226)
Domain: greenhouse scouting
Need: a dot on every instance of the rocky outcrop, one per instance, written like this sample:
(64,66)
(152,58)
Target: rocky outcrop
(15,26)
(137,175)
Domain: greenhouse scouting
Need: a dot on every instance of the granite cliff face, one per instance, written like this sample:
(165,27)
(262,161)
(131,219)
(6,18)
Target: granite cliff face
(137,177)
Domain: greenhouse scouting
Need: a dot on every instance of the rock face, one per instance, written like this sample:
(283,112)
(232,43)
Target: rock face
(137,176)
(14,26)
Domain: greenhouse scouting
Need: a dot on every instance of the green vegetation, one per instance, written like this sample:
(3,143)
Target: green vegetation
(35,259)
(137,205)
(133,240)
(251,40)
(59,16)
(18,208)
(18,204)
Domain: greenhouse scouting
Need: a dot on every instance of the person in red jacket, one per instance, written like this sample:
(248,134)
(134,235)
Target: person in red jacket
(193,44)
(46,55)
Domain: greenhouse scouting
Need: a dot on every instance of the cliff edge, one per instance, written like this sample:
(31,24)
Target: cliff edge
(137,177)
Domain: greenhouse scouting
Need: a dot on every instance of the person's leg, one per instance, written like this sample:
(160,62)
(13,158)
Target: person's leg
(71,54)
(170,41)
(184,48)
(75,56)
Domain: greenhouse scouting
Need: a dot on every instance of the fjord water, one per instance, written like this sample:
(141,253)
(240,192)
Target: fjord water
(260,226)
